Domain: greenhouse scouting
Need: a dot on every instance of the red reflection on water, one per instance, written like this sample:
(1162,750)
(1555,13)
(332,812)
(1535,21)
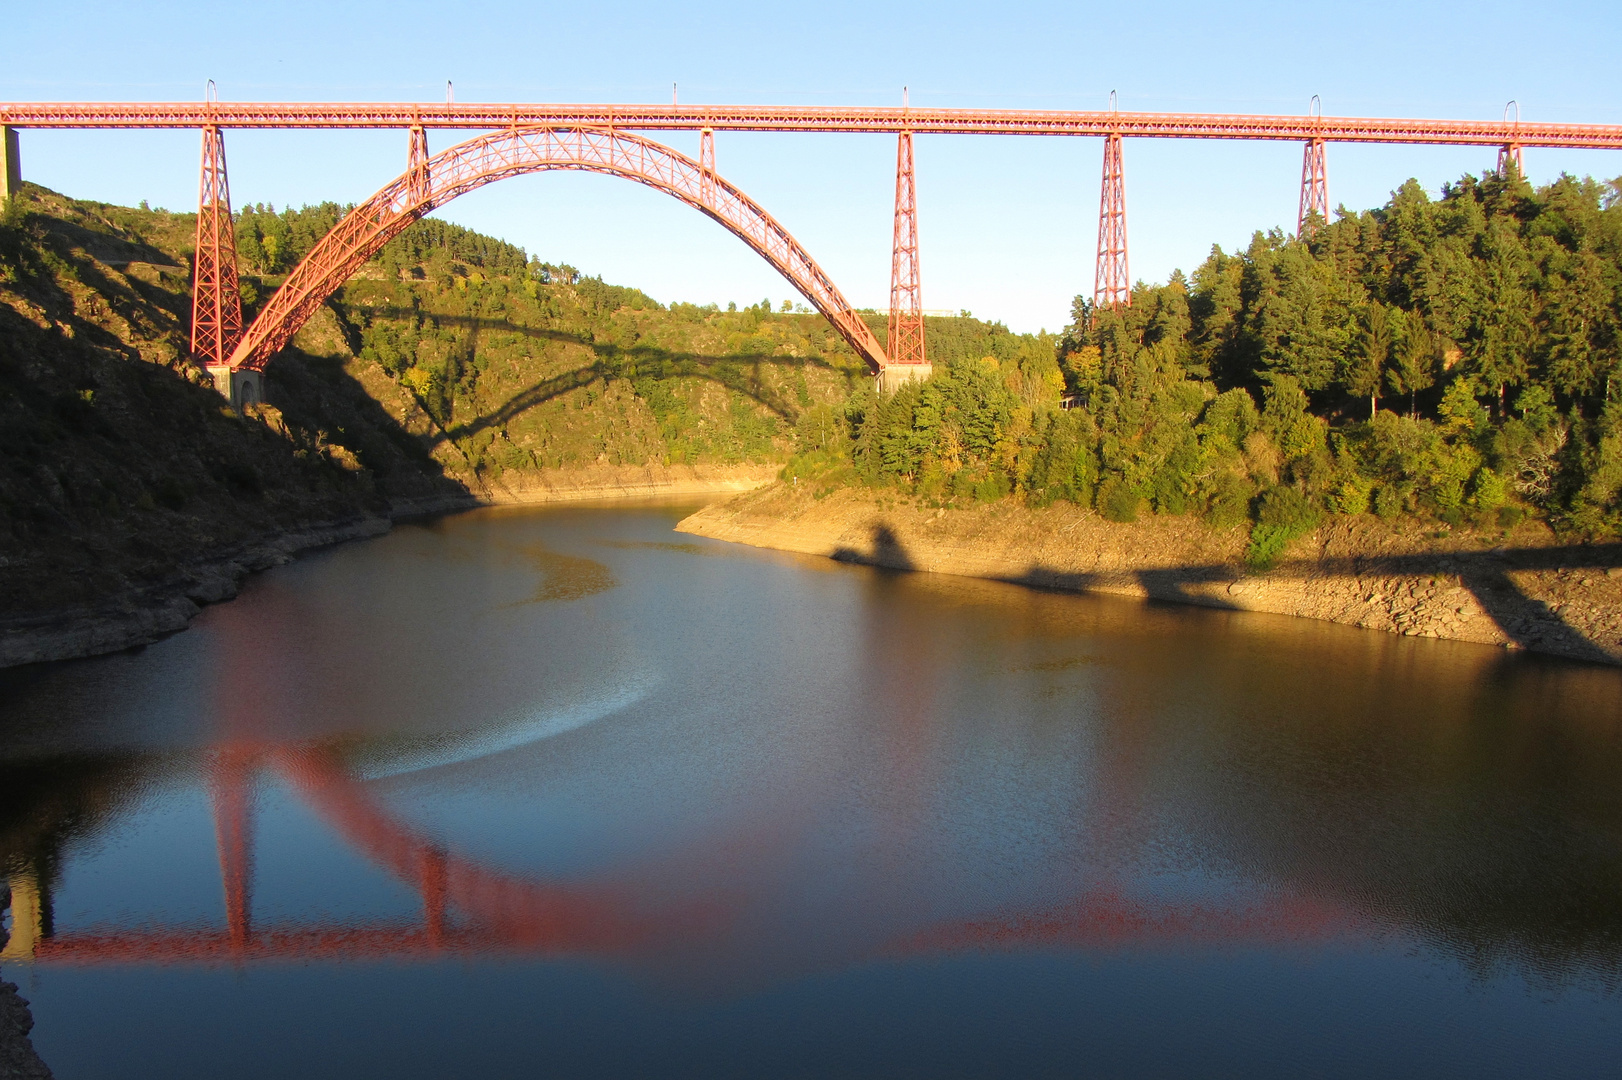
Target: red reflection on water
(230,784)
(525,914)
(503,913)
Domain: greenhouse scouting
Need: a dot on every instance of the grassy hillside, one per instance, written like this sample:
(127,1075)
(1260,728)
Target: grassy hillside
(502,363)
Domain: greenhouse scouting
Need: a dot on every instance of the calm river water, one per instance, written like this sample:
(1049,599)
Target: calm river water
(562,792)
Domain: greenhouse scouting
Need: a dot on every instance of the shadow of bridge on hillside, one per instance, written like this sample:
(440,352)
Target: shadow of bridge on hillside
(740,374)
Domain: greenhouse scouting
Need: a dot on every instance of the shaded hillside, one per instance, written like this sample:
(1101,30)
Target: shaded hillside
(120,464)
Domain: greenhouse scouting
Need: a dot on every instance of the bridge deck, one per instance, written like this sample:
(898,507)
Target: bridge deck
(798,118)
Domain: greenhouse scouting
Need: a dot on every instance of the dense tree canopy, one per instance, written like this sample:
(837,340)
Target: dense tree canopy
(1455,358)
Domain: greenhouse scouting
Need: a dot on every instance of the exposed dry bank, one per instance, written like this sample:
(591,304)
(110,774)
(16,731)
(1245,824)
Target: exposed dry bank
(625,482)
(1526,591)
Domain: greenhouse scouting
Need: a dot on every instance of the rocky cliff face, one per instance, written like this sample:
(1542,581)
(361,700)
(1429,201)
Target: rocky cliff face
(1524,591)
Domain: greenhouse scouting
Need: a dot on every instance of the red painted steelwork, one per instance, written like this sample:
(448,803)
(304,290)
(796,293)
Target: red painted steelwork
(216,308)
(706,164)
(888,120)
(1112,282)
(417,165)
(515,152)
(906,295)
(1510,153)
(1314,188)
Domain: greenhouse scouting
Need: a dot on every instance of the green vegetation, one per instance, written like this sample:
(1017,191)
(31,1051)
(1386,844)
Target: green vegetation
(1452,360)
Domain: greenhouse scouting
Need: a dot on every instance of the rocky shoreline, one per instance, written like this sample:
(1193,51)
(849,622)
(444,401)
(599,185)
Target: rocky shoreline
(1525,590)
(18,1060)
(142,616)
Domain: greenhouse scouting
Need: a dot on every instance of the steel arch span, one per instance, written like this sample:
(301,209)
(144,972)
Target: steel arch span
(431,183)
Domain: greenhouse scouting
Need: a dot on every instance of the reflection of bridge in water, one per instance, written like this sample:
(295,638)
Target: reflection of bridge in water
(503,912)
(469,908)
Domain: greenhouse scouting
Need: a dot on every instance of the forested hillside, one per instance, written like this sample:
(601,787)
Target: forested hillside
(1451,360)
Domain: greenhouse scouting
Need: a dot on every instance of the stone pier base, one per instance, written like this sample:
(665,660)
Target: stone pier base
(896,376)
(240,387)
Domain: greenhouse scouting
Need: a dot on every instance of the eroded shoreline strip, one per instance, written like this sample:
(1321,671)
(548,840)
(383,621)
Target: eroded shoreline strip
(1525,591)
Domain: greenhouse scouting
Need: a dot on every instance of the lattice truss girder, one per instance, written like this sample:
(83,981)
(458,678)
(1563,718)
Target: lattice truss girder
(802,118)
(513,152)
(216,323)
(906,294)
(1112,280)
(1314,209)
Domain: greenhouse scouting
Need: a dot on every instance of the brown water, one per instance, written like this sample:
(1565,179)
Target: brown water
(561,792)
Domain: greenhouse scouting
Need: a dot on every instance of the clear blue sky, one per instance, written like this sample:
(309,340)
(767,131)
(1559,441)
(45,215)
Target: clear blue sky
(1008,225)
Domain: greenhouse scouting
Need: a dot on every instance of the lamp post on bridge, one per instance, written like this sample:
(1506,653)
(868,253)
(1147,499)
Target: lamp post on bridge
(1510,153)
(1314,209)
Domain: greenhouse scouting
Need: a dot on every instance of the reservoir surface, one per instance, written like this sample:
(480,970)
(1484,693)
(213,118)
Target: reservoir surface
(561,792)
